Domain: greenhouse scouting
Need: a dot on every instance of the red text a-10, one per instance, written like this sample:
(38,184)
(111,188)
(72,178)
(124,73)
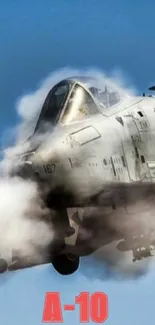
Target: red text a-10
(92,307)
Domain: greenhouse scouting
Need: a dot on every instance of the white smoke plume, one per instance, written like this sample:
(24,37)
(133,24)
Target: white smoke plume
(21,211)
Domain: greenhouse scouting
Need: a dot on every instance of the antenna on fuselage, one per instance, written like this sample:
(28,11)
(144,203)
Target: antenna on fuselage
(107,96)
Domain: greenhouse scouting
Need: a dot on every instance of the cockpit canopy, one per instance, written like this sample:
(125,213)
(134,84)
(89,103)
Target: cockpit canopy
(75,99)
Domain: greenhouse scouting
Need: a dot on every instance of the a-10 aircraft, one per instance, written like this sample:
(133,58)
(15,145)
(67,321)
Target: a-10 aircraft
(100,163)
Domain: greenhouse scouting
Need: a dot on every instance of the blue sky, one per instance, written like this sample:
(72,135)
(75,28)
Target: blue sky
(36,38)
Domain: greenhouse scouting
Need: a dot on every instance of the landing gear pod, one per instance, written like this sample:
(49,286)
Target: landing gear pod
(66,264)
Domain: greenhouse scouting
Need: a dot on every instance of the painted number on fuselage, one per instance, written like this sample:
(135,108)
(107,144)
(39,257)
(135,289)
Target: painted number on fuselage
(49,168)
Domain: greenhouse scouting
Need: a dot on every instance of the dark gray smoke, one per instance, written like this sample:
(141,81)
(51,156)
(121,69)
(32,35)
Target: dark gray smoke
(121,221)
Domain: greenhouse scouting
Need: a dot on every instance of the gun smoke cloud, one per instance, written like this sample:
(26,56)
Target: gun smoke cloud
(23,214)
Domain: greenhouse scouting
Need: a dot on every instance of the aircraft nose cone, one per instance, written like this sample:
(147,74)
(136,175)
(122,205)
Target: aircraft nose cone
(25,170)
